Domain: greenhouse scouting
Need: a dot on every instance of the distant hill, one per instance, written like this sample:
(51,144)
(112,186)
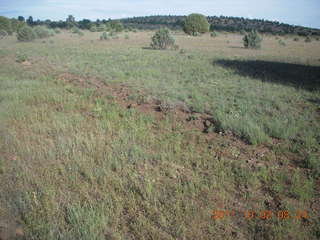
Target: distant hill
(229,24)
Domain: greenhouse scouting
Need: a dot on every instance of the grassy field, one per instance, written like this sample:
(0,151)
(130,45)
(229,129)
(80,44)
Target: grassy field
(114,140)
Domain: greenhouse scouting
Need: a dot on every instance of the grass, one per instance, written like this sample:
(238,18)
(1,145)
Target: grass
(76,165)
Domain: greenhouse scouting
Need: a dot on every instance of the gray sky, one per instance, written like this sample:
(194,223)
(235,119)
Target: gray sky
(298,12)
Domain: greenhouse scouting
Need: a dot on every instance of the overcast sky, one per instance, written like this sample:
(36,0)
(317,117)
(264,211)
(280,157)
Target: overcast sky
(297,12)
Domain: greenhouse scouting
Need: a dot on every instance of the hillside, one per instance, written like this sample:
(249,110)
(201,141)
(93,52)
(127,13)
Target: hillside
(230,24)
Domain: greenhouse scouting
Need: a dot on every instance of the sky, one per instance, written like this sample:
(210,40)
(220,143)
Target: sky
(296,12)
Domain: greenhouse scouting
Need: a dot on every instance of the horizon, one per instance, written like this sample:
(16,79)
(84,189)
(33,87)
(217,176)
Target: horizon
(294,12)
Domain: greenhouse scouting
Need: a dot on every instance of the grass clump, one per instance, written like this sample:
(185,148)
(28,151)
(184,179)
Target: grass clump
(162,39)
(252,40)
(26,34)
(312,162)
(20,58)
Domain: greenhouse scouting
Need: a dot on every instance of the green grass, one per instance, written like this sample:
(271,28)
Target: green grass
(76,165)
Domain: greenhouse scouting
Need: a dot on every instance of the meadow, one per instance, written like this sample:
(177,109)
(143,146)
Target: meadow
(114,140)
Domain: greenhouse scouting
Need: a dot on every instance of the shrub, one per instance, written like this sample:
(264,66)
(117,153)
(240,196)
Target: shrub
(104,36)
(243,32)
(252,40)
(42,32)
(101,28)
(26,34)
(196,23)
(57,31)
(214,34)
(308,39)
(126,37)
(281,43)
(75,30)
(162,39)
(296,39)
(3,33)
(5,24)
(93,28)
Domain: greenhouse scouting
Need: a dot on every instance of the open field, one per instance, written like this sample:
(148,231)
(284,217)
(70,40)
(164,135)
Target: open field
(114,140)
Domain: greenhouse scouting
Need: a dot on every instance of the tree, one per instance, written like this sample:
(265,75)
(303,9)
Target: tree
(196,23)
(30,21)
(85,24)
(252,40)
(162,39)
(5,24)
(71,21)
(21,19)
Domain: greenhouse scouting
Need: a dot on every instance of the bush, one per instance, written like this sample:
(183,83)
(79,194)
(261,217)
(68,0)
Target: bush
(162,39)
(93,28)
(252,40)
(42,32)
(281,43)
(196,23)
(57,31)
(126,37)
(75,30)
(214,34)
(104,36)
(296,39)
(3,34)
(5,24)
(101,28)
(308,39)
(26,34)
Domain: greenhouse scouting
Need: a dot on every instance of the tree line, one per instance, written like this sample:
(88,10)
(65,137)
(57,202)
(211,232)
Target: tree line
(222,23)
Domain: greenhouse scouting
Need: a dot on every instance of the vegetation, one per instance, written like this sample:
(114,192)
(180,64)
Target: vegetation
(162,39)
(221,23)
(104,36)
(102,141)
(214,34)
(308,39)
(26,34)
(252,40)
(3,34)
(196,23)
(5,25)
(281,42)
(43,32)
